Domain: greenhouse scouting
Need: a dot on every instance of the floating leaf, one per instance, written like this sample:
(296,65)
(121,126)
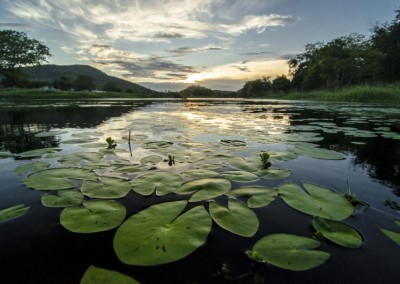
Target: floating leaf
(94,216)
(158,235)
(337,232)
(318,153)
(65,198)
(300,137)
(96,275)
(50,133)
(199,173)
(289,252)
(130,169)
(31,167)
(393,235)
(204,189)
(282,156)
(76,159)
(37,153)
(157,144)
(152,159)
(316,201)
(233,143)
(237,218)
(188,156)
(13,212)
(240,176)
(259,195)
(273,173)
(55,179)
(249,165)
(106,187)
(79,140)
(162,182)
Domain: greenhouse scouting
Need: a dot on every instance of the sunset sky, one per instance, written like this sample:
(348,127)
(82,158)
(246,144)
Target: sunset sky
(168,45)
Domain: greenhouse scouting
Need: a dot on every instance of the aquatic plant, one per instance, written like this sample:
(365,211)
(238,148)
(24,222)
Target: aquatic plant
(171,160)
(111,143)
(264,159)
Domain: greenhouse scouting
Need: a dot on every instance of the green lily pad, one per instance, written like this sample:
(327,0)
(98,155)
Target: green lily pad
(79,140)
(57,178)
(240,176)
(200,173)
(152,159)
(96,275)
(13,212)
(318,153)
(273,173)
(37,153)
(237,218)
(76,159)
(316,201)
(289,252)
(31,168)
(394,236)
(158,235)
(204,189)
(249,165)
(188,156)
(65,198)
(282,156)
(50,133)
(233,143)
(94,216)
(130,169)
(300,137)
(337,232)
(106,187)
(157,144)
(162,182)
(259,196)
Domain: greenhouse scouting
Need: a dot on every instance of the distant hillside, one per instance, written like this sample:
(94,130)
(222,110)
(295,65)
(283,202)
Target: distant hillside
(50,73)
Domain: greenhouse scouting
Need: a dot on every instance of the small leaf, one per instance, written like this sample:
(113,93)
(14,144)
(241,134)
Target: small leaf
(318,153)
(95,216)
(204,189)
(248,165)
(289,252)
(37,153)
(259,195)
(65,198)
(152,159)
(96,275)
(272,173)
(337,232)
(158,235)
(201,173)
(31,168)
(237,218)
(13,212)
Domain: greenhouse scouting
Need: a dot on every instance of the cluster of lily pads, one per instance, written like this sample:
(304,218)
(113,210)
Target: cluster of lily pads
(204,177)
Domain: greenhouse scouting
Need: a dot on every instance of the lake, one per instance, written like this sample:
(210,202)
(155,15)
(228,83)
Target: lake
(202,156)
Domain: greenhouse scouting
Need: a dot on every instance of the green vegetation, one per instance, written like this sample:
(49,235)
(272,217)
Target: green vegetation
(111,143)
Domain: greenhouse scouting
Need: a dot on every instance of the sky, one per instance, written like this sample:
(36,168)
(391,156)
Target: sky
(172,44)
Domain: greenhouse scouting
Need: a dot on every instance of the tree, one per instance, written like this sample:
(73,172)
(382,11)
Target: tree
(84,82)
(258,87)
(281,84)
(64,83)
(111,86)
(17,51)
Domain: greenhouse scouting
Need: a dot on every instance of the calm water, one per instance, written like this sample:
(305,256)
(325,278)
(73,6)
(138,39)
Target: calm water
(35,248)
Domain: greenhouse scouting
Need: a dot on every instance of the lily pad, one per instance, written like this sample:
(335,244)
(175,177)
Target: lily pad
(200,173)
(249,165)
(65,198)
(13,212)
(240,176)
(31,168)
(259,196)
(37,153)
(50,133)
(106,187)
(237,218)
(337,232)
(233,143)
(96,275)
(161,182)
(273,173)
(394,236)
(157,144)
(204,189)
(130,169)
(94,216)
(158,235)
(318,153)
(57,178)
(152,159)
(289,252)
(282,156)
(76,159)
(316,201)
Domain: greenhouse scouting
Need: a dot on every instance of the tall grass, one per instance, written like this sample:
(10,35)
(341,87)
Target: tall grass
(365,94)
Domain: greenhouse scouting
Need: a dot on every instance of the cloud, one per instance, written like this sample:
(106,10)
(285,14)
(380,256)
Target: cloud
(181,51)
(13,25)
(257,53)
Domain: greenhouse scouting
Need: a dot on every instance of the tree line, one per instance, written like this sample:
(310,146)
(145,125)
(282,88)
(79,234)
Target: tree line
(345,61)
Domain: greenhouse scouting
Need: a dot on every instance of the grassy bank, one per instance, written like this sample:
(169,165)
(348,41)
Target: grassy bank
(365,94)
(27,94)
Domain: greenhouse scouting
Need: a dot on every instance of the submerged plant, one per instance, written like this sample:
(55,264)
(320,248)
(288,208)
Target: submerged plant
(392,204)
(111,143)
(353,199)
(264,159)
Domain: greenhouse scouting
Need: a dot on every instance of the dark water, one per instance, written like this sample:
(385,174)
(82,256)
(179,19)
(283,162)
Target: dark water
(35,248)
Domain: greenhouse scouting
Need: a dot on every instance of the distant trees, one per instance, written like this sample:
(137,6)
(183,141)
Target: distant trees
(111,86)
(83,83)
(265,86)
(64,83)
(196,91)
(17,51)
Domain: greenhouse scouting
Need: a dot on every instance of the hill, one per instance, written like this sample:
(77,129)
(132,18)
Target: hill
(50,72)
